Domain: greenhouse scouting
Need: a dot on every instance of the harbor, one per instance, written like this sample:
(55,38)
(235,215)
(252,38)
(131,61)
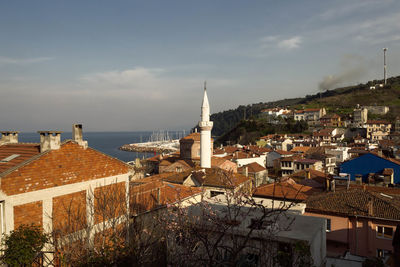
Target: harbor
(167,146)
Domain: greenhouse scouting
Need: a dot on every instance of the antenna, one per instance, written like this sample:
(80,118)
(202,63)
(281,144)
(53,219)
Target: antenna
(384,65)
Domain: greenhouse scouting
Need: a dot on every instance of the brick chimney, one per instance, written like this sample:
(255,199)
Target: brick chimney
(49,140)
(77,135)
(9,137)
(371,206)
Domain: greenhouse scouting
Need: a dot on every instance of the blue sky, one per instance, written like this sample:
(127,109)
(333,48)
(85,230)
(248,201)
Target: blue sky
(140,65)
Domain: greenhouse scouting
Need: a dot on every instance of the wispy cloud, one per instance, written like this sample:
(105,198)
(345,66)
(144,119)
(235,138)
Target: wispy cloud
(22,61)
(350,8)
(291,43)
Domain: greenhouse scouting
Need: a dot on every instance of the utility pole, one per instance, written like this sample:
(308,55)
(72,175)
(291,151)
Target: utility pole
(384,65)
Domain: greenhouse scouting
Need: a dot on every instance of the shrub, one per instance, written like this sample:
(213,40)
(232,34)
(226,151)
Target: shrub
(23,245)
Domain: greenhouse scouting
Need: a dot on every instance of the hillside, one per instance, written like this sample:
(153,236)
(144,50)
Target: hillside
(341,101)
(245,124)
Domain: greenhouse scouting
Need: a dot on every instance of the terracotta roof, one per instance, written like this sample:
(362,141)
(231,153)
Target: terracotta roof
(216,161)
(25,152)
(192,136)
(281,152)
(377,122)
(147,194)
(242,155)
(288,190)
(258,149)
(69,164)
(292,158)
(311,110)
(307,161)
(168,161)
(314,175)
(387,171)
(231,149)
(356,202)
(212,177)
(253,167)
(301,149)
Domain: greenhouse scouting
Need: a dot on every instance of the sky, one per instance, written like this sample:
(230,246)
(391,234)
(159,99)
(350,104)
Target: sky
(140,65)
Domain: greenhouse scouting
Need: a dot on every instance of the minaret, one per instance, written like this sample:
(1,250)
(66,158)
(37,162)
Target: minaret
(205,132)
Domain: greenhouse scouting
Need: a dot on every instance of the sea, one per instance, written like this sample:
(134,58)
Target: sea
(109,142)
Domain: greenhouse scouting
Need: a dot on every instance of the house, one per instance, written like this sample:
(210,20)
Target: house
(360,116)
(341,153)
(328,135)
(378,130)
(243,157)
(289,165)
(190,147)
(312,116)
(37,181)
(379,110)
(370,163)
(279,231)
(256,172)
(312,178)
(273,155)
(215,181)
(287,190)
(358,221)
(331,120)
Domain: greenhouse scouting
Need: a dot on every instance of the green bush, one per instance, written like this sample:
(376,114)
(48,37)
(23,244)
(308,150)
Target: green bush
(23,245)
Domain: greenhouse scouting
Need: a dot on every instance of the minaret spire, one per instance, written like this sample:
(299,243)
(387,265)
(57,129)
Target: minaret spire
(205,126)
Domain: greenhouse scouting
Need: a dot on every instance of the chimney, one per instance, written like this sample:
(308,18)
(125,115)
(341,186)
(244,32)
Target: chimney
(9,137)
(77,135)
(49,140)
(370,207)
(245,171)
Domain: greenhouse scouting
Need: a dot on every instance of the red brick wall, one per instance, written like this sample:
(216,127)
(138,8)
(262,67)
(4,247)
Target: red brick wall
(69,212)
(109,202)
(67,165)
(30,213)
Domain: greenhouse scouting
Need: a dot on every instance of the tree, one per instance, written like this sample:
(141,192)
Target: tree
(23,245)
(106,229)
(232,229)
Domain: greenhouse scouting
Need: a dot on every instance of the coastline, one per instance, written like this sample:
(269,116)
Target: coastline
(157,146)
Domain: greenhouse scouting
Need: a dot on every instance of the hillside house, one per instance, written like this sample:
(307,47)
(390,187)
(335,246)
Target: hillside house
(378,130)
(331,120)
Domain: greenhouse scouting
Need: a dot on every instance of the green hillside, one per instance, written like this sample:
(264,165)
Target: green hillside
(244,123)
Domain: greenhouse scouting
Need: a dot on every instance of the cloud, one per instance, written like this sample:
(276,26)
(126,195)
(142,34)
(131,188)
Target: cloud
(269,42)
(22,61)
(291,43)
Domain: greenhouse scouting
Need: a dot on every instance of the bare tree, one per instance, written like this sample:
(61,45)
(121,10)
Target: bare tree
(110,227)
(231,229)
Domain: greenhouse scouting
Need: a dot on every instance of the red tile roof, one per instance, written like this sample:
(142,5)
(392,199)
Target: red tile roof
(69,164)
(212,177)
(192,136)
(288,190)
(25,152)
(253,167)
(356,202)
(301,149)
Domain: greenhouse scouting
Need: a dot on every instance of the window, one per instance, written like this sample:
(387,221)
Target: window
(216,193)
(328,225)
(384,232)
(381,253)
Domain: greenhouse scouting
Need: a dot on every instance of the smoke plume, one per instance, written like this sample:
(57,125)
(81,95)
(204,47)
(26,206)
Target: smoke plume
(353,68)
